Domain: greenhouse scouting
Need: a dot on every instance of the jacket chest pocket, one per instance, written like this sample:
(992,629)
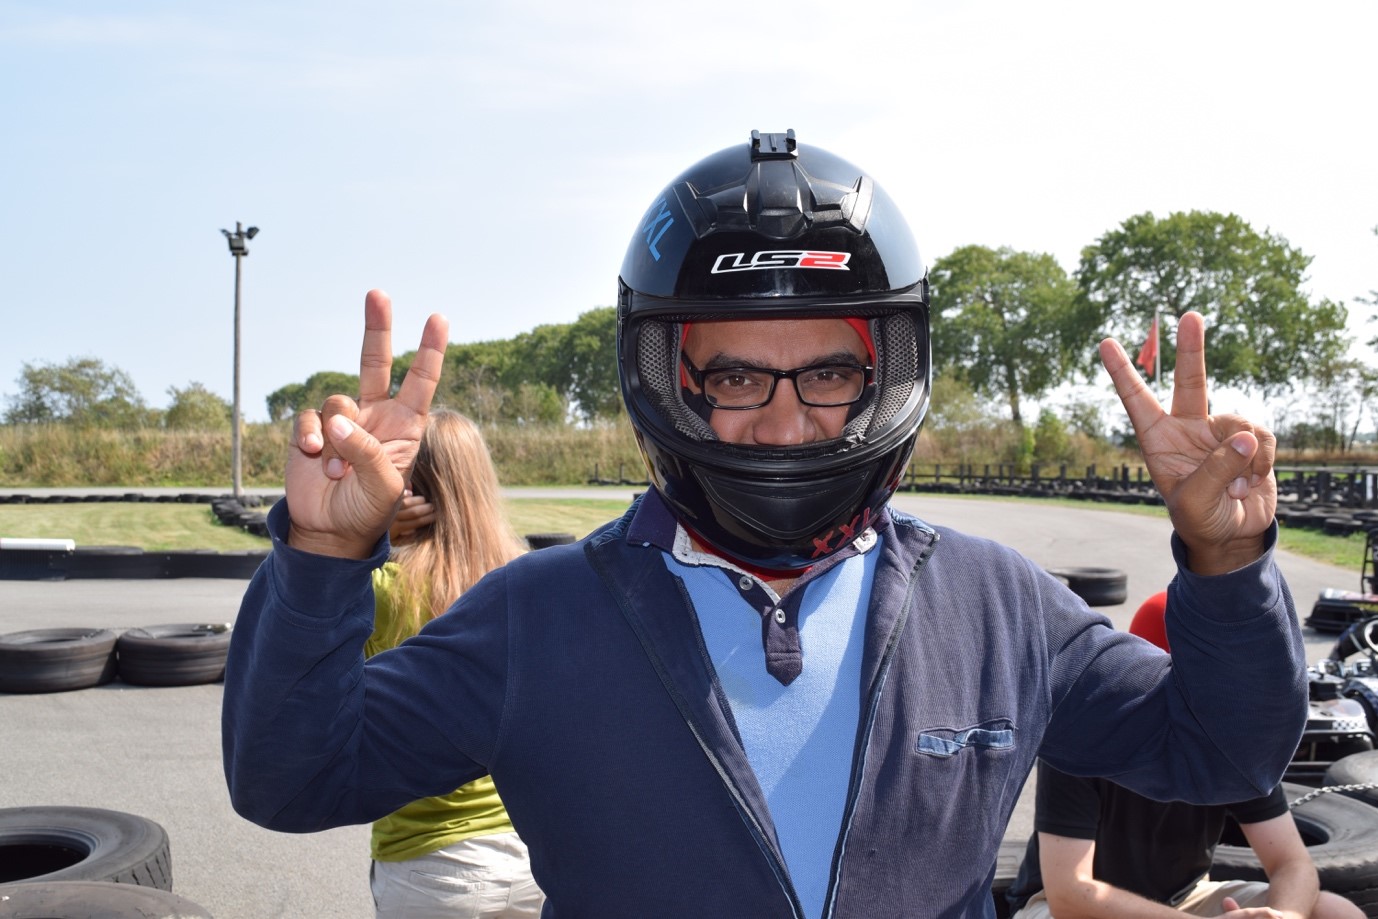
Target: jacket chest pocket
(994,736)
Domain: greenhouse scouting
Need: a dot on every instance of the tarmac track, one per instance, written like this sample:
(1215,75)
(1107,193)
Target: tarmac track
(155,751)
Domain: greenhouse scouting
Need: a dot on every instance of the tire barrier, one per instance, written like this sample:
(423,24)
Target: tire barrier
(56,660)
(83,844)
(1355,776)
(1097,586)
(546,540)
(173,655)
(94,900)
(59,660)
(50,564)
(1341,836)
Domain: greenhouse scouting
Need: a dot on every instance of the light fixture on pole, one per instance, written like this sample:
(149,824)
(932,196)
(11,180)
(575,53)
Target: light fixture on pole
(239,247)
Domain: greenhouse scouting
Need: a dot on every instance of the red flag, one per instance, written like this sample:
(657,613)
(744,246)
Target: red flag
(1149,351)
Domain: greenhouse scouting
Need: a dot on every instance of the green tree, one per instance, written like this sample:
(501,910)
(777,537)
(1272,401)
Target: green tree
(534,403)
(577,359)
(1052,443)
(592,365)
(1264,334)
(196,408)
(1008,323)
(83,392)
(295,397)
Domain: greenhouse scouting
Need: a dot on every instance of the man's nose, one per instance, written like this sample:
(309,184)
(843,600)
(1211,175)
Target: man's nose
(784,420)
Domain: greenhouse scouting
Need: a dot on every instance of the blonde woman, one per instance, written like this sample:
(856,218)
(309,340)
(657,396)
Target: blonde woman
(455,855)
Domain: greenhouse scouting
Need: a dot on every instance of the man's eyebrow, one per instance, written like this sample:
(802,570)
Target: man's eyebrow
(723,361)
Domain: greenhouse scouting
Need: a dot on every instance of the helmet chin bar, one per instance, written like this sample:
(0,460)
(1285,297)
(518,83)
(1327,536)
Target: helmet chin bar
(788,512)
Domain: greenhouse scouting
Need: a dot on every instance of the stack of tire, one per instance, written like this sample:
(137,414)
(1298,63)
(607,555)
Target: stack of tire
(63,659)
(87,863)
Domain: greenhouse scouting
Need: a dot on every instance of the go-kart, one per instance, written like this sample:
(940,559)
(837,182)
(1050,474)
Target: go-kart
(1344,704)
(1335,609)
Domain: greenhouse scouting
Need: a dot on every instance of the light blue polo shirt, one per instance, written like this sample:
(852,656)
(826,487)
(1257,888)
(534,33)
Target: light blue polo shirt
(799,737)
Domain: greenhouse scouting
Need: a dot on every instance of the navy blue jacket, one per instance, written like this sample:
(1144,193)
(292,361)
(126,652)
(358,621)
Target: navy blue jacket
(576,676)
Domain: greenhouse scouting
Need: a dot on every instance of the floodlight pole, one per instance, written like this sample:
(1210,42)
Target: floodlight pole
(239,247)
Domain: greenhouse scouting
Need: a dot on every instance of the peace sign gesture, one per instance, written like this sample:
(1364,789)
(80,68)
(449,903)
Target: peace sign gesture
(349,461)
(1215,472)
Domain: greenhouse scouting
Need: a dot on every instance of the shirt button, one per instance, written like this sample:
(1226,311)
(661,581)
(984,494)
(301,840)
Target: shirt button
(744,583)
(780,616)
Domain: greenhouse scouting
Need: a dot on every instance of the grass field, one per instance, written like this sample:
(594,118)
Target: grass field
(168,526)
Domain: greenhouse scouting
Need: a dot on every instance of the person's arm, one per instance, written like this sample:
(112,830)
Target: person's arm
(312,736)
(1073,891)
(1293,884)
(1221,720)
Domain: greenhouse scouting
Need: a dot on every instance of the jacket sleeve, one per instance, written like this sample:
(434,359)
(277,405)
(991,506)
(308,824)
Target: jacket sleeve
(313,736)
(1216,722)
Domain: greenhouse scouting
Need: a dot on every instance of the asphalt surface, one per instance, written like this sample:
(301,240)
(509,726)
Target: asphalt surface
(155,751)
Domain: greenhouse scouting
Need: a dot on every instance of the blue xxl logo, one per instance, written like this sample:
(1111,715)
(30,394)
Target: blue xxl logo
(660,218)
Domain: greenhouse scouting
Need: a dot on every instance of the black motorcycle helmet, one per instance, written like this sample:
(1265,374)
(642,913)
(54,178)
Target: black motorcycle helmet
(773,229)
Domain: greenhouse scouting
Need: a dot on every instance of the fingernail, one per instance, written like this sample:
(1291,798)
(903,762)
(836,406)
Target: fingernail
(341,427)
(1242,447)
(334,467)
(312,443)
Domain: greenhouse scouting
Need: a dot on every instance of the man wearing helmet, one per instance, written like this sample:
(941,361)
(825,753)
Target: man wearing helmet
(762,692)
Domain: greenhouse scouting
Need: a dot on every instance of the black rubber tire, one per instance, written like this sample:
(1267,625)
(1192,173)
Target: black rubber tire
(1097,586)
(546,540)
(56,660)
(1341,836)
(83,844)
(1356,769)
(94,900)
(173,655)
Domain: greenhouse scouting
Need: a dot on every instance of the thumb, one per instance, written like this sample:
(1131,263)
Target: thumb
(360,450)
(1227,468)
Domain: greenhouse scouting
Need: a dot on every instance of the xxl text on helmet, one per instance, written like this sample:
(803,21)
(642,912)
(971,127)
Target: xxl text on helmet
(781,258)
(845,533)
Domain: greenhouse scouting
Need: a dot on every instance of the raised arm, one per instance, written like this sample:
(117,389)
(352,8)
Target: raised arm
(1215,472)
(349,460)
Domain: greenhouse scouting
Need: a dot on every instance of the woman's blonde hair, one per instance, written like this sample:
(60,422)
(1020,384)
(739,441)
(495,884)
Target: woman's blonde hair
(470,535)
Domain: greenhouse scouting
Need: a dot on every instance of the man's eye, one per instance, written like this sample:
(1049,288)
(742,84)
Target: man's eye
(735,381)
(830,376)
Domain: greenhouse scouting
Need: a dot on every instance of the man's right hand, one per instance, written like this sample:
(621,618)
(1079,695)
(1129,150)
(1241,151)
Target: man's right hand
(349,461)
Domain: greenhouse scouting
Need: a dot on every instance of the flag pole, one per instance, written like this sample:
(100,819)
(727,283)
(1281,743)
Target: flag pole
(1157,351)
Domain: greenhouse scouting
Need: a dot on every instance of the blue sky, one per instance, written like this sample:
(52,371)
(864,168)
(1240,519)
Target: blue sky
(491,160)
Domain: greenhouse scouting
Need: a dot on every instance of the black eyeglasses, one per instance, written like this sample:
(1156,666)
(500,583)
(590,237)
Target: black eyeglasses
(821,385)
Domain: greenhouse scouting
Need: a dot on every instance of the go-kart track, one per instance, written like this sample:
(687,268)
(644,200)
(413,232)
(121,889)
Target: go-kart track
(154,751)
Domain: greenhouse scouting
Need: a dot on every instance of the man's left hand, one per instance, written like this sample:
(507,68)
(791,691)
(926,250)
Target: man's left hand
(1215,472)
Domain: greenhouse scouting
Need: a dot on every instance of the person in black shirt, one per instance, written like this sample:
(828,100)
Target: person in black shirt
(1104,852)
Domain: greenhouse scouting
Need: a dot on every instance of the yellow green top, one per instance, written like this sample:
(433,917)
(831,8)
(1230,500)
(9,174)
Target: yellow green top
(430,823)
